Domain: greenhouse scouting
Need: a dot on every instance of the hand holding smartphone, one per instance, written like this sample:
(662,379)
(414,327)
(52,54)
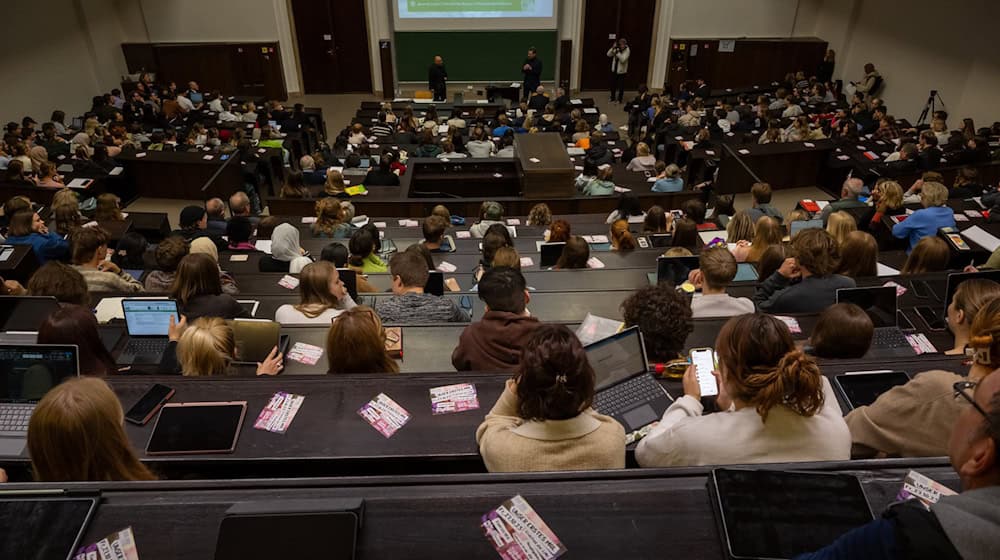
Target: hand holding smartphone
(703,359)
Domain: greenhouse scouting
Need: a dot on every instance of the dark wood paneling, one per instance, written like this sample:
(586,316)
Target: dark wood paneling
(350,36)
(752,62)
(315,40)
(333,45)
(636,25)
(632,19)
(565,63)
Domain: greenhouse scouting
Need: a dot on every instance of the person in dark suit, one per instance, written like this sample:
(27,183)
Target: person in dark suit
(532,70)
(701,89)
(906,164)
(437,79)
(538,100)
(929,154)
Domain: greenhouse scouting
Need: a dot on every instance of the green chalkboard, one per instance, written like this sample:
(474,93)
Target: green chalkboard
(478,56)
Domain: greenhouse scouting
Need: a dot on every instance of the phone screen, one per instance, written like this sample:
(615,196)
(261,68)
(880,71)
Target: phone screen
(703,360)
(931,317)
(141,411)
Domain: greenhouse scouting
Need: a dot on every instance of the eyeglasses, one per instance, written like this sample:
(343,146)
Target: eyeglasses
(962,389)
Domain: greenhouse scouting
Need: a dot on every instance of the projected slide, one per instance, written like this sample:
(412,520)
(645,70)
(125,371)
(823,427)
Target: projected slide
(444,9)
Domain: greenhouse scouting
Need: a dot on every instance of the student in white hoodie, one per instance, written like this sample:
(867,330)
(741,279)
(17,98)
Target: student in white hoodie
(776,406)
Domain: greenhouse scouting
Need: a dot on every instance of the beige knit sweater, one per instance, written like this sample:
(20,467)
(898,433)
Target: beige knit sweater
(911,420)
(588,441)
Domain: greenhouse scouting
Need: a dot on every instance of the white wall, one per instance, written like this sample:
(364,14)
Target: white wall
(922,46)
(220,21)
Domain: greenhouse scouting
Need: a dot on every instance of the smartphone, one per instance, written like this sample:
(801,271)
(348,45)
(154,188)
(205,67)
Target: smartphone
(903,322)
(150,403)
(932,318)
(922,290)
(703,360)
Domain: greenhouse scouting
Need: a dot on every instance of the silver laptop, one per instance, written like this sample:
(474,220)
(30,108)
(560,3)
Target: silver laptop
(625,390)
(27,372)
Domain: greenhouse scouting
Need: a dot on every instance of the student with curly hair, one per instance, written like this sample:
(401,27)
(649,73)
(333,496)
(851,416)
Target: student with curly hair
(543,421)
(777,406)
(663,316)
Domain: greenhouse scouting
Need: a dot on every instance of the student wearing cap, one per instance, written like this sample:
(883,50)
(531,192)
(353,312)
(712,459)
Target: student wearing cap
(194,224)
(489,213)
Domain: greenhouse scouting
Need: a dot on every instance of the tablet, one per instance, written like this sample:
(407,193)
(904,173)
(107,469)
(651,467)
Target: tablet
(199,427)
(778,514)
(43,524)
(861,388)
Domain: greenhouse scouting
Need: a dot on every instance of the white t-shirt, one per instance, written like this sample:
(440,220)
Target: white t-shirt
(185,103)
(288,315)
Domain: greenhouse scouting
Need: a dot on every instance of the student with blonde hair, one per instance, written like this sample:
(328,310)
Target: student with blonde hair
(642,161)
(540,215)
(840,224)
(335,185)
(740,227)
(776,406)
(767,232)
(355,343)
(207,347)
(330,219)
(76,434)
(927,221)
(887,200)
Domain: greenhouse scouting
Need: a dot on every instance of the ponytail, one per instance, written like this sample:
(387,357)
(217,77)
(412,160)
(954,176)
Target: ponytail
(621,236)
(984,339)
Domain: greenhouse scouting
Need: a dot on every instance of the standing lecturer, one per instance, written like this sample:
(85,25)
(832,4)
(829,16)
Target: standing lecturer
(618,53)
(437,79)
(532,70)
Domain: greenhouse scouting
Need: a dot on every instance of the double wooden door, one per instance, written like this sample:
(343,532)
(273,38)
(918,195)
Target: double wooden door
(631,19)
(332,37)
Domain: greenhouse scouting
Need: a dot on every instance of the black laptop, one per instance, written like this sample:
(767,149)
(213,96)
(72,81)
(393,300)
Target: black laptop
(879,302)
(674,271)
(27,373)
(148,323)
(625,390)
(550,253)
(25,313)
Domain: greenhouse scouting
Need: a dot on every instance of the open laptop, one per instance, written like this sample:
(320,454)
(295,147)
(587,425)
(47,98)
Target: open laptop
(879,302)
(25,313)
(674,271)
(27,372)
(550,253)
(147,322)
(625,390)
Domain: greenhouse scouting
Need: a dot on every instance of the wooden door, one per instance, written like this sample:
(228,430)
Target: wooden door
(632,19)
(332,37)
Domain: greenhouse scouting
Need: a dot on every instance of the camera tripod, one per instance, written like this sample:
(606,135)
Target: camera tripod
(930,107)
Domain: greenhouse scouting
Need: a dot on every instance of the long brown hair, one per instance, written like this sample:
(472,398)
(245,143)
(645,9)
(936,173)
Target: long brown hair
(858,255)
(76,434)
(559,232)
(107,208)
(554,379)
(314,289)
(197,274)
(355,343)
(930,254)
(621,238)
(767,232)
(763,368)
(73,324)
(329,216)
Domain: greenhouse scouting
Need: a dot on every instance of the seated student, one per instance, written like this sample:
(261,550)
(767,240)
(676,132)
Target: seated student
(194,224)
(335,253)
(843,331)
(914,420)
(490,213)
(355,343)
(669,179)
(962,526)
(931,254)
(492,242)
(575,254)
(761,195)
(928,153)
(776,406)
(657,220)
(286,253)
(168,255)
(207,347)
(539,215)
(601,185)
(966,184)
(363,258)
(77,325)
(130,251)
(664,317)
(335,186)
(205,247)
(543,421)
(598,153)
(621,237)
(322,297)
(858,255)
(57,280)
(928,220)
(76,434)
(198,290)
(330,219)
(215,209)
(813,264)
(969,298)
(427,146)
(239,232)
(839,224)
(435,240)
(767,233)
(27,228)
(90,251)
(410,304)
(887,200)
(716,269)
(642,161)
(381,174)
(496,340)
(107,209)
(295,185)
(849,194)
(448,151)
(479,144)
(740,228)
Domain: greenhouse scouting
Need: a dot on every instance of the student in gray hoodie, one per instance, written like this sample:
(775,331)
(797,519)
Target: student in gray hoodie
(965,526)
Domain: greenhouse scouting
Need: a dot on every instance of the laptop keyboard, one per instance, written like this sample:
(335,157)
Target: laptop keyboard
(625,396)
(889,338)
(14,418)
(146,346)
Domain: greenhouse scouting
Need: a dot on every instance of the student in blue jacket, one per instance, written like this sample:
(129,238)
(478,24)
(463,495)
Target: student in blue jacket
(926,221)
(27,228)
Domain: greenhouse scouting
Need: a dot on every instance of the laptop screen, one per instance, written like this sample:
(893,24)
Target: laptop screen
(617,357)
(21,313)
(28,371)
(674,270)
(878,302)
(149,317)
(799,225)
(550,253)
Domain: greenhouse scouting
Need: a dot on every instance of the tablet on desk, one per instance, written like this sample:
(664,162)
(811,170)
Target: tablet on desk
(200,427)
(862,388)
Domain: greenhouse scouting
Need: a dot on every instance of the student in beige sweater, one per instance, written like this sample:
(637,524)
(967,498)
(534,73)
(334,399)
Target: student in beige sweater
(543,420)
(777,406)
(915,419)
